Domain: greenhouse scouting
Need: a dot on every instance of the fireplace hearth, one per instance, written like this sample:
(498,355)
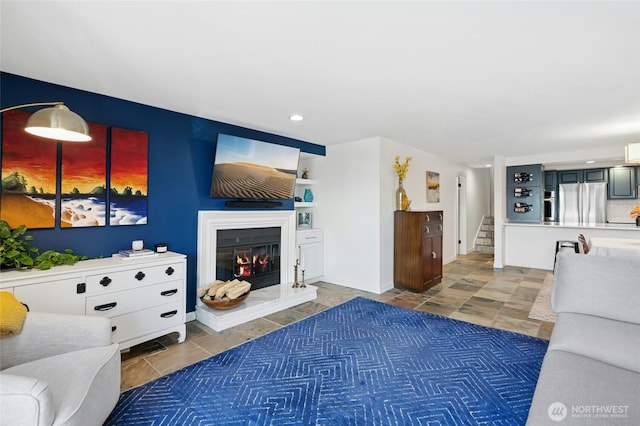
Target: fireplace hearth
(253,254)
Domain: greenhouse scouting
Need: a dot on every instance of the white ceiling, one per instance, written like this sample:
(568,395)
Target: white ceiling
(463,80)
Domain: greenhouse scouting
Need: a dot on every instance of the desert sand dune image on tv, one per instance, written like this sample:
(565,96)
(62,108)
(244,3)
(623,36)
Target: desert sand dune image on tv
(249,169)
(246,180)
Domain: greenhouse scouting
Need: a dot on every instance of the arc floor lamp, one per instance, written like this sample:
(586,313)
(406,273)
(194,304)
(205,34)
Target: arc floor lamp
(57,122)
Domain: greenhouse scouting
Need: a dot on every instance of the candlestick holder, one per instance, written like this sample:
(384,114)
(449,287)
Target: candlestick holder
(303,285)
(296,284)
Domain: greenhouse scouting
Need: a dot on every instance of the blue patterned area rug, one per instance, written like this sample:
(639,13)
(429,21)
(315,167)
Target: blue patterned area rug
(359,363)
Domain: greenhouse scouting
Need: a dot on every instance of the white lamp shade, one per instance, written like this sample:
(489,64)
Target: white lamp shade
(632,153)
(58,123)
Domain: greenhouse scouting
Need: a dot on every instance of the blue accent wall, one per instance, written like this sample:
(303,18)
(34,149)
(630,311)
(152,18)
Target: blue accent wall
(181,150)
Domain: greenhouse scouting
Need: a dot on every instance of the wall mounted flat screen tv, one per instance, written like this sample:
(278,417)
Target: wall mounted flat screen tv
(247,169)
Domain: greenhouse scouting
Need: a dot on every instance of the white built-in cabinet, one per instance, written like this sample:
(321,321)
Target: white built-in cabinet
(144,298)
(310,244)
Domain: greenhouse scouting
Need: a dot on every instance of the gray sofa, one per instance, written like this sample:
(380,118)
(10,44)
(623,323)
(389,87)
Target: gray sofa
(591,372)
(60,370)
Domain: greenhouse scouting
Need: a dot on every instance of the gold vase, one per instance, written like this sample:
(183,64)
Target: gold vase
(401,197)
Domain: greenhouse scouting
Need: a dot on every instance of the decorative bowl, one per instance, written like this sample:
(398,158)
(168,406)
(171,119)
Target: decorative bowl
(224,303)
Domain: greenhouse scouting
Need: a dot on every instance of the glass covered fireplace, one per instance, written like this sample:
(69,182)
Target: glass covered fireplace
(249,255)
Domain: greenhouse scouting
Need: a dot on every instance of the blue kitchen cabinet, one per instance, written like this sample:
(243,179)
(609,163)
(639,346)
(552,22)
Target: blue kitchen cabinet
(524,193)
(623,183)
(595,175)
(550,180)
(570,176)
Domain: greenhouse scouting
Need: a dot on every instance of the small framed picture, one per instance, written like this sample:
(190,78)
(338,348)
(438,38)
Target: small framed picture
(304,220)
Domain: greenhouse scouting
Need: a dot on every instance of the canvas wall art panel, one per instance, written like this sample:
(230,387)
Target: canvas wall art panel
(84,181)
(433,187)
(128,201)
(28,175)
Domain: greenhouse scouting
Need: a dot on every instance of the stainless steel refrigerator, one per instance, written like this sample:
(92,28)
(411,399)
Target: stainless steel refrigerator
(583,202)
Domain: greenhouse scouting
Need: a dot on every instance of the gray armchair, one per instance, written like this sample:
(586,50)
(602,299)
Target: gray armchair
(60,370)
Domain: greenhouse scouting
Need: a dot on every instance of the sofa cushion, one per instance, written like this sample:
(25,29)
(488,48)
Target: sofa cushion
(603,286)
(26,401)
(85,384)
(614,342)
(592,392)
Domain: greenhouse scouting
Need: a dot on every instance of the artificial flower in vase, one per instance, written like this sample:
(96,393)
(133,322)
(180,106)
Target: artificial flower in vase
(402,202)
(635,214)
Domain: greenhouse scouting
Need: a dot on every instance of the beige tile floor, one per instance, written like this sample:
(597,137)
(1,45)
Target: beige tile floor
(471,290)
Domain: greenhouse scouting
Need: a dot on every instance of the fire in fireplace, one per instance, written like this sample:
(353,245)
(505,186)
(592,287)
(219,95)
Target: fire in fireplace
(250,255)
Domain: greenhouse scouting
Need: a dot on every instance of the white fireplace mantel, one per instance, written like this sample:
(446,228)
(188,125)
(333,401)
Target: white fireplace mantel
(262,301)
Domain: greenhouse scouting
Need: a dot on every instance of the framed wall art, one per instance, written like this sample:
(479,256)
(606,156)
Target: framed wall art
(83,199)
(304,220)
(433,187)
(129,175)
(28,194)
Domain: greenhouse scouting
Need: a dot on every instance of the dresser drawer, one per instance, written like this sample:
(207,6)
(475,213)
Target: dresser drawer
(434,216)
(432,229)
(147,321)
(126,301)
(134,277)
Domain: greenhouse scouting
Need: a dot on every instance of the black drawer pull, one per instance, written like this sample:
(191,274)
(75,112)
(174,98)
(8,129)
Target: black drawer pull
(81,288)
(139,276)
(106,306)
(169,292)
(169,271)
(113,328)
(169,314)
(105,281)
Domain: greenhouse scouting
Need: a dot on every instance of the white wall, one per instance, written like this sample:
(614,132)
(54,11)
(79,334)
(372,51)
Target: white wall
(356,201)
(349,199)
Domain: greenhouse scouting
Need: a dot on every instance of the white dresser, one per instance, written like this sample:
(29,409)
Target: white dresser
(144,298)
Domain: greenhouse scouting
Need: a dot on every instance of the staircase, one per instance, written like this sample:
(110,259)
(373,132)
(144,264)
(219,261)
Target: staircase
(484,240)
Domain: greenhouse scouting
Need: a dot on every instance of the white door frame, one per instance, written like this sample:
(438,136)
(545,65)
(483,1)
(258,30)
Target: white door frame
(461,219)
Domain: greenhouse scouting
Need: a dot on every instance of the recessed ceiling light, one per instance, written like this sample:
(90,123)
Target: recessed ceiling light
(487,165)
(590,162)
(296,117)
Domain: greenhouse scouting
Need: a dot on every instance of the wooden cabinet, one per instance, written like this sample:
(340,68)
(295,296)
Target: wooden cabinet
(144,298)
(623,183)
(311,254)
(417,255)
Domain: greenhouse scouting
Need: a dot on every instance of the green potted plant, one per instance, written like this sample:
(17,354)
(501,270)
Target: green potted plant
(17,252)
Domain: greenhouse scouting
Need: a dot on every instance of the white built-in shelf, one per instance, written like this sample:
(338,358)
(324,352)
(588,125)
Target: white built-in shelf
(303,204)
(306,181)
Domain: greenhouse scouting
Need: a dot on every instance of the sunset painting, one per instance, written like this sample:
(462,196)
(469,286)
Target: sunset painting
(84,180)
(28,175)
(129,168)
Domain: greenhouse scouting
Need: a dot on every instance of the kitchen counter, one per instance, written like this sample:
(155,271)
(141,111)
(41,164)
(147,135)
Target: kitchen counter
(583,226)
(532,245)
